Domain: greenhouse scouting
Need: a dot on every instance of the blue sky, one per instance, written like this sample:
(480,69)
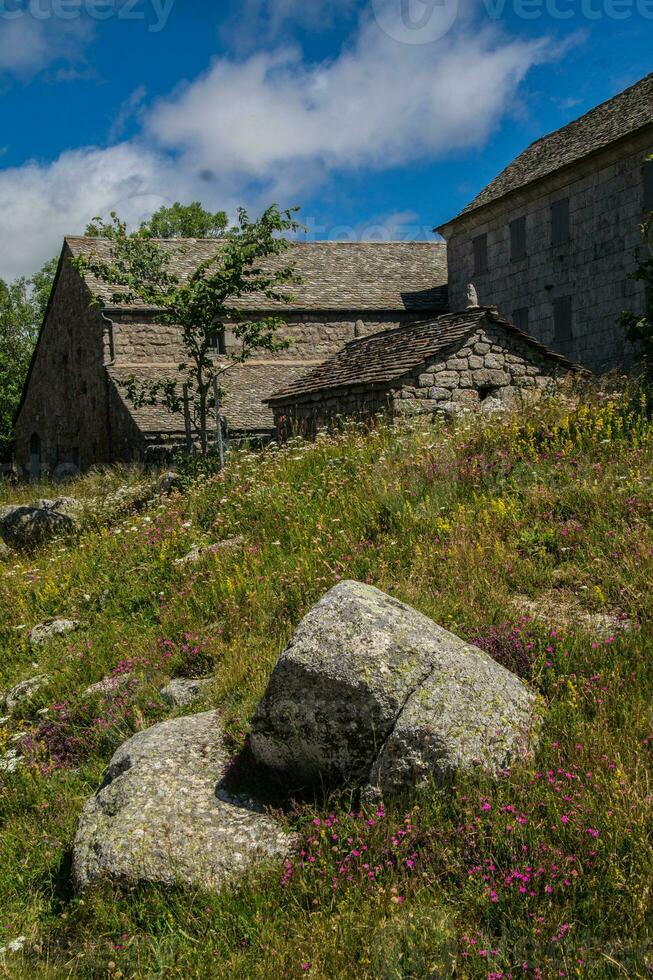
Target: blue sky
(380,118)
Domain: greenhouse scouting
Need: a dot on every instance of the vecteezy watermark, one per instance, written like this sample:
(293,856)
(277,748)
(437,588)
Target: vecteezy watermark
(415,21)
(154,13)
(427,21)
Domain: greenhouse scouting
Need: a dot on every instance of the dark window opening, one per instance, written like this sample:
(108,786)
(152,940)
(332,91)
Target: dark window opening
(647,174)
(520,318)
(480,254)
(518,239)
(488,391)
(562,322)
(560,225)
(218,342)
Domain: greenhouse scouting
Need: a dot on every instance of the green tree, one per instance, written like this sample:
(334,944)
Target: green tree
(176,221)
(139,269)
(639,328)
(19,325)
(41,285)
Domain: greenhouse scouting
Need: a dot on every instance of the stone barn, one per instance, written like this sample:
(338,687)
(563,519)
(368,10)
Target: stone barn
(551,240)
(473,359)
(75,412)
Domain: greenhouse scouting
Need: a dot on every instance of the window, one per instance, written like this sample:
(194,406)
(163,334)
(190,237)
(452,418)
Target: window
(518,239)
(520,318)
(480,254)
(647,175)
(218,342)
(562,322)
(560,230)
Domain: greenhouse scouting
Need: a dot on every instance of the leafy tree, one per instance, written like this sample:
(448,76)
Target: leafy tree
(176,221)
(139,269)
(19,325)
(41,284)
(639,329)
(187,221)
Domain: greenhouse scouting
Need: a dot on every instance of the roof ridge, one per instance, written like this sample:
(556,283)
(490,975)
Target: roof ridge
(317,241)
(623,114)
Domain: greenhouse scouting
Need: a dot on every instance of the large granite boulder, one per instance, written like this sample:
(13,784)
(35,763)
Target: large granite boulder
(26,526)
(371,691)
(163,815)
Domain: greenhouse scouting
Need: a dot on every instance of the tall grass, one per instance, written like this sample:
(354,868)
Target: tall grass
(545,873)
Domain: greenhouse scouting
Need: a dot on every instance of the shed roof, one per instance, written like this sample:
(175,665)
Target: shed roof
(385,357)
(620,116)
(244,388)
(335,275)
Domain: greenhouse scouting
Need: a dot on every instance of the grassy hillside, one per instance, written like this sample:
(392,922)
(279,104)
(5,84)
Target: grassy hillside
(532,536)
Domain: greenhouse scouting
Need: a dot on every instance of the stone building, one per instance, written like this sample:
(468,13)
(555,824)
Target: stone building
(470,359)
(551,240)
(75,412)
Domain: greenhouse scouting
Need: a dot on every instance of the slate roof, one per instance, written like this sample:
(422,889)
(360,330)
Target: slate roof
(336,275)
(611,121)
(385,357)
(244,387)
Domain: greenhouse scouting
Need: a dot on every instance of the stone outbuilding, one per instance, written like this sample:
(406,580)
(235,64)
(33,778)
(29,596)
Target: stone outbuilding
(474,359)
(551,240)
(75,411)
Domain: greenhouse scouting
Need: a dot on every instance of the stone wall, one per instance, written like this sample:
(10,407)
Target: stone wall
(606,209)
(65,404)
(313,336)
(492,369)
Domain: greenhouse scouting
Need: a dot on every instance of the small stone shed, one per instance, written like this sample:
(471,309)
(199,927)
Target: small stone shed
(470,359)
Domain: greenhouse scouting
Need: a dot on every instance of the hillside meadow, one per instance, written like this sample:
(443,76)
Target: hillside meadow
(530,535)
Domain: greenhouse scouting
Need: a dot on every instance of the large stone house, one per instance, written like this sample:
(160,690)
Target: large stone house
(474,359)
(75,412)
(551,240)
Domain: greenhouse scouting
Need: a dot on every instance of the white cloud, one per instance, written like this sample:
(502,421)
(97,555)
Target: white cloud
(272,127)
(380,103)
(40,203)
(28,44)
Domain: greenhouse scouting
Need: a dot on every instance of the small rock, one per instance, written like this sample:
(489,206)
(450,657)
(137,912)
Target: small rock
(169,482)
(163,815)
(5,552)
(198,552)
(24,691)
(108,685)
(194,555)
(183,691)
(370,690)
(10,761)
(50,629)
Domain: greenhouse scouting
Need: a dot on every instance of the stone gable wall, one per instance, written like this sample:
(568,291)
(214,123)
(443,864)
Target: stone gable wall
(492,368)
(606,208)
(65,404)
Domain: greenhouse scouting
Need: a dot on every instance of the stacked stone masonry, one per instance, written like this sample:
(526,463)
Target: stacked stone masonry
(593,267)
(490,370)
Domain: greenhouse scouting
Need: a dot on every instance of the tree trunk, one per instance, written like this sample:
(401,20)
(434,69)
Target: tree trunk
(204,442)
